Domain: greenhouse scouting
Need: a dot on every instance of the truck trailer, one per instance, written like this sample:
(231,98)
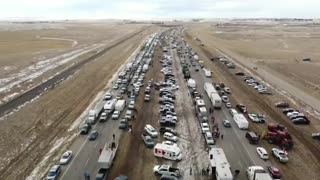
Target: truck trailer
(213,95)
(120,105)
(241,121)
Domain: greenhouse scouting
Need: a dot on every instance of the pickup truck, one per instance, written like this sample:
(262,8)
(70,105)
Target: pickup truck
(147,140)
(102,174)
(166,170)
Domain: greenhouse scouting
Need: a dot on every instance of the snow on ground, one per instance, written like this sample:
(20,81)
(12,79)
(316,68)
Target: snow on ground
(38,172)
(195,155)
(38,69)
(74,42)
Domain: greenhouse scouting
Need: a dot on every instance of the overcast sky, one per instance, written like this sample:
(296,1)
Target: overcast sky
(150,9)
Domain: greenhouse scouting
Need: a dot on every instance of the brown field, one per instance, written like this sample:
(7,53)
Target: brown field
(305,154)
(277,48)
(27,135)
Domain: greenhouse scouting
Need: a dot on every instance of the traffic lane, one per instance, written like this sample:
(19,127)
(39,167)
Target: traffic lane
(248,156)
(88,155)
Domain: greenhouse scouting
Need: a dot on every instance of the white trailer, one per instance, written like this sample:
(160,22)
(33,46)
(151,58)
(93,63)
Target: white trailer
(219,164)
(257,173)
(216,100)
(109,105)
(241,121)
(107,155)
(171,152)
(120,105)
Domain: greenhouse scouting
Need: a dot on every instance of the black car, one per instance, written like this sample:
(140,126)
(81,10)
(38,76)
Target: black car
(85,129)
(242,108)
(163,130)
(239,73)
(282,105)
(93,135)
(300,121)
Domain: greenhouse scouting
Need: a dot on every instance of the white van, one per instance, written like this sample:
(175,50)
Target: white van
(151,131)
(166,151)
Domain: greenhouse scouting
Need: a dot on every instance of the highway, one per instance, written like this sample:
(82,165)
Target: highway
(239,152)
(86,153)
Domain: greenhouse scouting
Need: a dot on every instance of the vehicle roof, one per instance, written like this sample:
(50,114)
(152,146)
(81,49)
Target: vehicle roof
(55,167)
(218,159)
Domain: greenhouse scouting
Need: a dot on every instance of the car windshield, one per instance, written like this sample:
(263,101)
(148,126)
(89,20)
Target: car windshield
(65,156)
(51,173)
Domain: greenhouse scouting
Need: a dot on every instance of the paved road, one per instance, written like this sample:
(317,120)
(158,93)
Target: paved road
(239,152)
(86,153)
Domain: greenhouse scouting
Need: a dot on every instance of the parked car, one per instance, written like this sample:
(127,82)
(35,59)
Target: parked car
(131,105)
(93,135)
(115,115)
(108,96)
(282,105)
(274,172)
(242,108)
(239,73)
(151,131)
(162,130)
(205,127)
(66,157)
(146,97)
(168,177)
(209,138)
(228,105)
(123,124)
(280,155)
(170,137)
(262,153)
(227,90)
(167,170)
(85,128)
(316,135)
(225,99)
(54,172)
(226,123)
(148,141)
(128,115)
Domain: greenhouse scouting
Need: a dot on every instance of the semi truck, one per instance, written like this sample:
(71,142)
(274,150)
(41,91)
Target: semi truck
(241,121)
(257,173)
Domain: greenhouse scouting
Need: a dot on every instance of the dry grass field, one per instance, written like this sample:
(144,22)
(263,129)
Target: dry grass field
(26,136)
(276,47)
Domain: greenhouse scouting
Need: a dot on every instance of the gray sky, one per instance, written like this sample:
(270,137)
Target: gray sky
(151,9)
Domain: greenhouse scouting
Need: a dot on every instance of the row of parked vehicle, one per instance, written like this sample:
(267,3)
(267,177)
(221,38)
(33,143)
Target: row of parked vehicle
(294,115)
(251,81)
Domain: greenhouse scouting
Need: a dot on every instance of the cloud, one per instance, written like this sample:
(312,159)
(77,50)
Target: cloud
(148,9)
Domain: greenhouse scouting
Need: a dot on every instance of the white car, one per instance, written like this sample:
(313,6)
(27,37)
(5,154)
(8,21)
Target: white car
(227,90)
(228,105)
(131,104)
(151,131)
(170,137)
(262,153)
(115,86)
(108,96)
(225,99)
(233,112)
(253,117)
(66,157)
(205,127)
(169,143)
(280,154)
(115,115)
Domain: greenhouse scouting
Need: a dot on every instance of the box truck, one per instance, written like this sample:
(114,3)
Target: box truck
(241,121)
(120,105)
